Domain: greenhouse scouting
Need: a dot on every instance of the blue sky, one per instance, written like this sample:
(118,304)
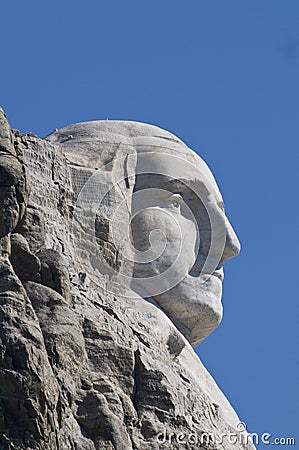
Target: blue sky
(223,76)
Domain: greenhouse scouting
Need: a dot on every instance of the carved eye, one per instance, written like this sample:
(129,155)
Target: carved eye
(176,200)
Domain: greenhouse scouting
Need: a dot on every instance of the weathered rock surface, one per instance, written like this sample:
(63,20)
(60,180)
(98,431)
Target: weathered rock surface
(82,368)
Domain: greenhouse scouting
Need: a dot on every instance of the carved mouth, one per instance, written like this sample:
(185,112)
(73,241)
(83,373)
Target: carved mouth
(218,274)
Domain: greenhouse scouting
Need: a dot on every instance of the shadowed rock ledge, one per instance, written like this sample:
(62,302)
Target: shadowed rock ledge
(82,368)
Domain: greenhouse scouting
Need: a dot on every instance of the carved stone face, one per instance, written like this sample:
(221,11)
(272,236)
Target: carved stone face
(179,220)
(180,234)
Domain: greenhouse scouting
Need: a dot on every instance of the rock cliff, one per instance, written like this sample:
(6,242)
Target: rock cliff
(82,367)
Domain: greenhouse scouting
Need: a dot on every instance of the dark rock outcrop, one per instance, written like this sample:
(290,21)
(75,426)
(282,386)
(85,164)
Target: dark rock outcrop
(81,368)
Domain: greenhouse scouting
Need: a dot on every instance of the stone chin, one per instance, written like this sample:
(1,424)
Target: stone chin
(194,307)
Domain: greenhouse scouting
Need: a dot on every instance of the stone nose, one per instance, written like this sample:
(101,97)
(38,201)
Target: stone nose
(232,244)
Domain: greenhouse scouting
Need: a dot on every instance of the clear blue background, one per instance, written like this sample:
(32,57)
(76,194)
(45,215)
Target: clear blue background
(223,76)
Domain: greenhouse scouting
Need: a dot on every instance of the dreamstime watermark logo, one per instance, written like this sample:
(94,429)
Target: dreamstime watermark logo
(106,198)
(240,436)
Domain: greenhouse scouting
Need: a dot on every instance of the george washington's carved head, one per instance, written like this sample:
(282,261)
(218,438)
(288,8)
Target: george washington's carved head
(155,218)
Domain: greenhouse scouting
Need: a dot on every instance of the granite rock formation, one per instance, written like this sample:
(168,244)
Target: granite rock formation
(82,366)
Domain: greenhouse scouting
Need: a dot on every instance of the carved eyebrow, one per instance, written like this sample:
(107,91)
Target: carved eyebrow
(179,186)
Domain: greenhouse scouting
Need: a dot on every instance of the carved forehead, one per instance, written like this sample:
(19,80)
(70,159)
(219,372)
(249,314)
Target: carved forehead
(114,131)
(94,144)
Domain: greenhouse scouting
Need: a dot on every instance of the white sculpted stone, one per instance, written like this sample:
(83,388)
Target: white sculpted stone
(164,195)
